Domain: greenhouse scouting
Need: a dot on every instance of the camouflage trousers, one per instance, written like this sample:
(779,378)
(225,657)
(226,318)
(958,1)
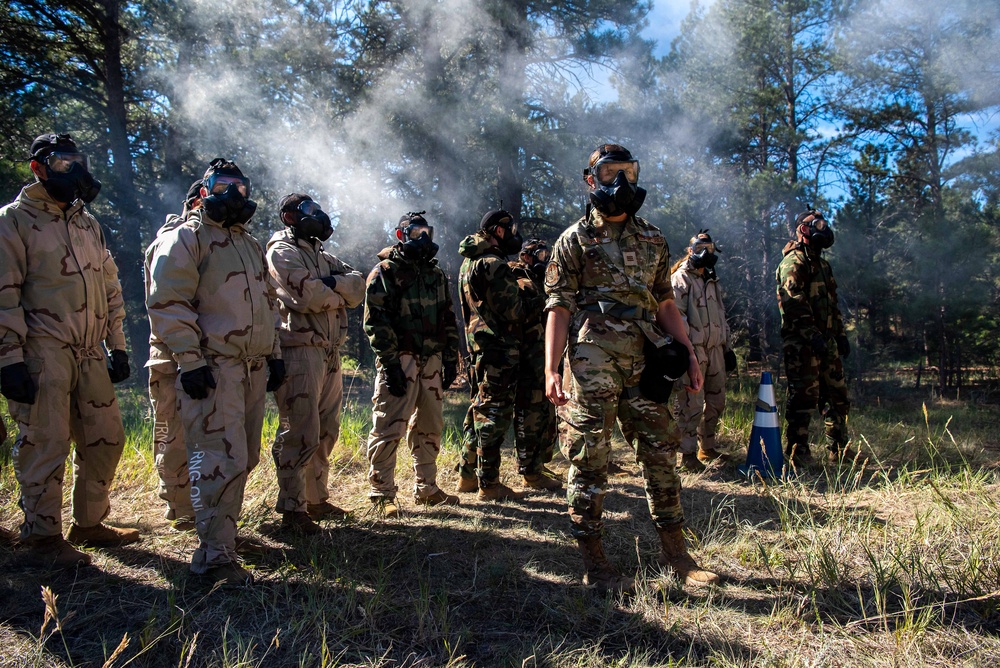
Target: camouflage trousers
(417,415)
(601,388)
(490,414)
(75,402)
(697,413)
(815,383)
(222,433)
(534,415)
(170,455)
(309,405)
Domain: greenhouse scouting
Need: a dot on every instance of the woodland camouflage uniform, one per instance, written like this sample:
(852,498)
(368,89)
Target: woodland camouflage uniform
(807,299)
(409,318)
(591,273)
(60,299)
(313,327)
(493,313)
(211,303)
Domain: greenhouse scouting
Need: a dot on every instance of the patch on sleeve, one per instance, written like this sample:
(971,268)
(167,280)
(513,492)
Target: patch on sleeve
(551,275)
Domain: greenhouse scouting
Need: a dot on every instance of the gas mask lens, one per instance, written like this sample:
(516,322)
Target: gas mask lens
(414,232)
(217,184)
(542,254)
(607,172)
(60,163)
(309,208)
(819,224)
(703,248)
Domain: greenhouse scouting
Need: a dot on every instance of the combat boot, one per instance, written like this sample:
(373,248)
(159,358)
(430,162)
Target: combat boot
(541,481)
(180,523)
(299,523)
(498,491)
(325,511)
(385,506)
(601,575)
(707,456)
(467,484)
(675,555)
(101,535)
(691,463)
(438,498)
(229,575)
(55,551)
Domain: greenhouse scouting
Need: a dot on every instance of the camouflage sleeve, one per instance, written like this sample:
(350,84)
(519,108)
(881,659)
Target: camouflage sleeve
(662,288)
(294,282)
(13,267)
(793,298)
(562,275)
(681,288)
(450,352)
(172,286)
(381,302)
(350,283)
(115,339)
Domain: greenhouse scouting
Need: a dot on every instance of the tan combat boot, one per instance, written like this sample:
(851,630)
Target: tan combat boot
(299,523)
(385,506)
(707,456)
(467,485)
(676,556)
(691,463)
(55,551)
(601,575)
(541,481)
(101,535)
(229,575)
(438,498)
(498,491)
(325,511)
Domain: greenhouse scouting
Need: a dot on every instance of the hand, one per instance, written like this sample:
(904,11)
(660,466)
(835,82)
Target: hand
(553,388)
(16,383)
(395,379)
(198,382)
(819,344)
(329,281)
(694,375)
(843,346)
(730,357)
(119,368)
(275,374)
(449,372)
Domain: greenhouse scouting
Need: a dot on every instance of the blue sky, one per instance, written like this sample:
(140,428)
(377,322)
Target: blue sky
(665,22)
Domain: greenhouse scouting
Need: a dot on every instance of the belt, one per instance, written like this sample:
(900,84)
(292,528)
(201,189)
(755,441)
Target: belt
(618,310)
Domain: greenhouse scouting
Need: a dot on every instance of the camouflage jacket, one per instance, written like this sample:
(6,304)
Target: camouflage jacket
(408,308)
(491,301)
(532,291)
(592,275)
(210,294)
(159,354)
(807,295)
(57,278)
(311,313)
(699,301)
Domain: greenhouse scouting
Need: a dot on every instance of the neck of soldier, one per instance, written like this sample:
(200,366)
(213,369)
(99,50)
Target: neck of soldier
(620,218)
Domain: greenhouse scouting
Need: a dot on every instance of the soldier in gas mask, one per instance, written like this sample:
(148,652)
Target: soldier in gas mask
(60,300)
(698,296)
(410,323)
(212,305)
(814,338)
(609,293)
(315,289)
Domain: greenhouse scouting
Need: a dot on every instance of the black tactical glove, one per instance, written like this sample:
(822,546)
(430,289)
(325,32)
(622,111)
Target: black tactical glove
(119,369)
(275,374)
(449,372)
(819,344)
(16,383)
(395,379)
(730,358)
(329,281)
(843,346)
(198,382)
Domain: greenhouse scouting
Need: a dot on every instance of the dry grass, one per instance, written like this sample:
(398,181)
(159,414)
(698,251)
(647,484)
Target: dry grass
(893,560)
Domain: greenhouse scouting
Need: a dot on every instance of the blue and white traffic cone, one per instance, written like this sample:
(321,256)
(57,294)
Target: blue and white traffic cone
(764,452)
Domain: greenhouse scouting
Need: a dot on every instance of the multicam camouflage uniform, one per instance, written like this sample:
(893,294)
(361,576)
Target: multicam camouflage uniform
(313,327)
(491,307)
(211,303)
(612,290)
(59,300)
(699,300)
(807,298)
(170,454)
(408,318)
(534,414)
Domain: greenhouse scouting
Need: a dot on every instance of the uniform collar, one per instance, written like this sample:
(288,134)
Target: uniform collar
(37,197)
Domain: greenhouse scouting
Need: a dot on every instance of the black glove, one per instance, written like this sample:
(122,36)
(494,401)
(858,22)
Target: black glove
(395,379)
(119,370)
(819,344)
(329,281)
(730,357)
(198,382)
(843,346)
(275,374)
(449,372)
(16,383)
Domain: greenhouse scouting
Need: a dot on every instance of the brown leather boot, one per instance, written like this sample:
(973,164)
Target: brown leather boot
(541,481)
(101,535)
(601,575)
(708,456)
(324,510)
(299,523)
(691,463)
(438,498)
(675,555)
(499,492)
(467,485)
(55,551)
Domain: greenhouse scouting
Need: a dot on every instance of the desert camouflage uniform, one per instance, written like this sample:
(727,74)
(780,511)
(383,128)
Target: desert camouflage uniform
(211,303)
(590,273)
(494,316)
(534,414)
(699,300)
(169,452)
(408,317)
(59,300)
(313,327)
(807,298)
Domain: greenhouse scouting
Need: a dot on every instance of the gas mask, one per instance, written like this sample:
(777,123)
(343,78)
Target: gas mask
(819,236)
(311,222)
(615,191)
(226,198)
(418,238)
(69,178)
(512,240)
(535,254)
(703,251)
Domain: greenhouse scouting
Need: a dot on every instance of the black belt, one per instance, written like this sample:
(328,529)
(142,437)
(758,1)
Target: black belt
(618,310)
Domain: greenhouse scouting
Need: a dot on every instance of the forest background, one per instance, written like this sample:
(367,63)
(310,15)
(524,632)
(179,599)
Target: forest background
(883,113)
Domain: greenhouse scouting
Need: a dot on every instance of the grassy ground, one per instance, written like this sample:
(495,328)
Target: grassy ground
(890,560)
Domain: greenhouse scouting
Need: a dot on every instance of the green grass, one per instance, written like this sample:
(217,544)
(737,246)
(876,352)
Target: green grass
(891,559)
